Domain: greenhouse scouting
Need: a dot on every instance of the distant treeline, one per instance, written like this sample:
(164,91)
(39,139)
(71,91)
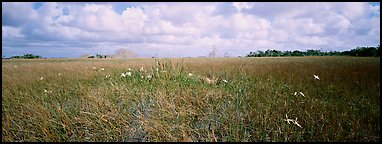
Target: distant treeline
(359,51)
(98,56)
(26,56)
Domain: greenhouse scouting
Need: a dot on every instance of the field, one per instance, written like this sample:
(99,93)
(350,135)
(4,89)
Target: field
(192,99)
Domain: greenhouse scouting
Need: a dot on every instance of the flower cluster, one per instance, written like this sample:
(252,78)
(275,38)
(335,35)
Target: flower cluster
(125,74)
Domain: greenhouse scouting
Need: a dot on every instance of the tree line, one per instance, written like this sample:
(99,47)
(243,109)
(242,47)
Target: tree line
(26,56)
(119,53)
(358,52)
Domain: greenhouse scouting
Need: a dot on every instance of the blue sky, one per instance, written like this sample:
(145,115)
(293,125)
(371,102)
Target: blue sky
(70,29)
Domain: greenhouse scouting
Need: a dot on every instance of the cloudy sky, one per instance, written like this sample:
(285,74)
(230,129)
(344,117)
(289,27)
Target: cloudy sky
(185,29)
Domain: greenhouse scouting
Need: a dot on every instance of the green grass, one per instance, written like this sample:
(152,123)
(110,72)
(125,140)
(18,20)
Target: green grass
(83,104)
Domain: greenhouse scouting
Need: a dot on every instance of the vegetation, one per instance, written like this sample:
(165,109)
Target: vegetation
(124,53)
(98,56)
(222,99)
(119,53)
(359,51)
(26,56)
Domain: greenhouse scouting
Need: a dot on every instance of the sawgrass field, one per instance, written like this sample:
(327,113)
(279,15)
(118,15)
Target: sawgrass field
(192,99)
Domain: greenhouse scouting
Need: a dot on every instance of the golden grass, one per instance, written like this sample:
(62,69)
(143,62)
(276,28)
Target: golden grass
(83,104)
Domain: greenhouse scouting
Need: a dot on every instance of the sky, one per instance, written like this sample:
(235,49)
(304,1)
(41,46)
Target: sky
(72,29)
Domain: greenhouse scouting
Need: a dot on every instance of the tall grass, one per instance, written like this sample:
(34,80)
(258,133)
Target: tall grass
(84,104)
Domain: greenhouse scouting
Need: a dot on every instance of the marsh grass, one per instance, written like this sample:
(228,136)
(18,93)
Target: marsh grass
(83,104)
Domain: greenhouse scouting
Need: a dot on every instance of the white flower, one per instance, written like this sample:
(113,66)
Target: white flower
(157,69)
(59,74)
(123,75)
(189,74)
(129,69)
(157,62)
(316,77)
(225,81)
(94,68)
(41,78)
(292,120)
(295,93)
(141,76)
(208,80)
(296,123)
(47,91)
(128,73)
(102,69)
(141,69)
(149,76)
(107,76)
(302,94)
(15,66)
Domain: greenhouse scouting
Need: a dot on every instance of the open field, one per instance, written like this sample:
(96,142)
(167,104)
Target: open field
(223,99)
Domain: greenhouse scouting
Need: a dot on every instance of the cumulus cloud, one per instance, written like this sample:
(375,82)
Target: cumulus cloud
(11,32)
(25,13)
(242,5)
(188,29)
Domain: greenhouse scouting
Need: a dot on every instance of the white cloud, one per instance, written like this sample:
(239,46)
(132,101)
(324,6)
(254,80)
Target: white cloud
(374,9)
(353,10)
(98,18)
(310,27)
(239,27)
(11,32)
(134,18)
(242,5)
(242,22)
(312,40)
(17,14)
